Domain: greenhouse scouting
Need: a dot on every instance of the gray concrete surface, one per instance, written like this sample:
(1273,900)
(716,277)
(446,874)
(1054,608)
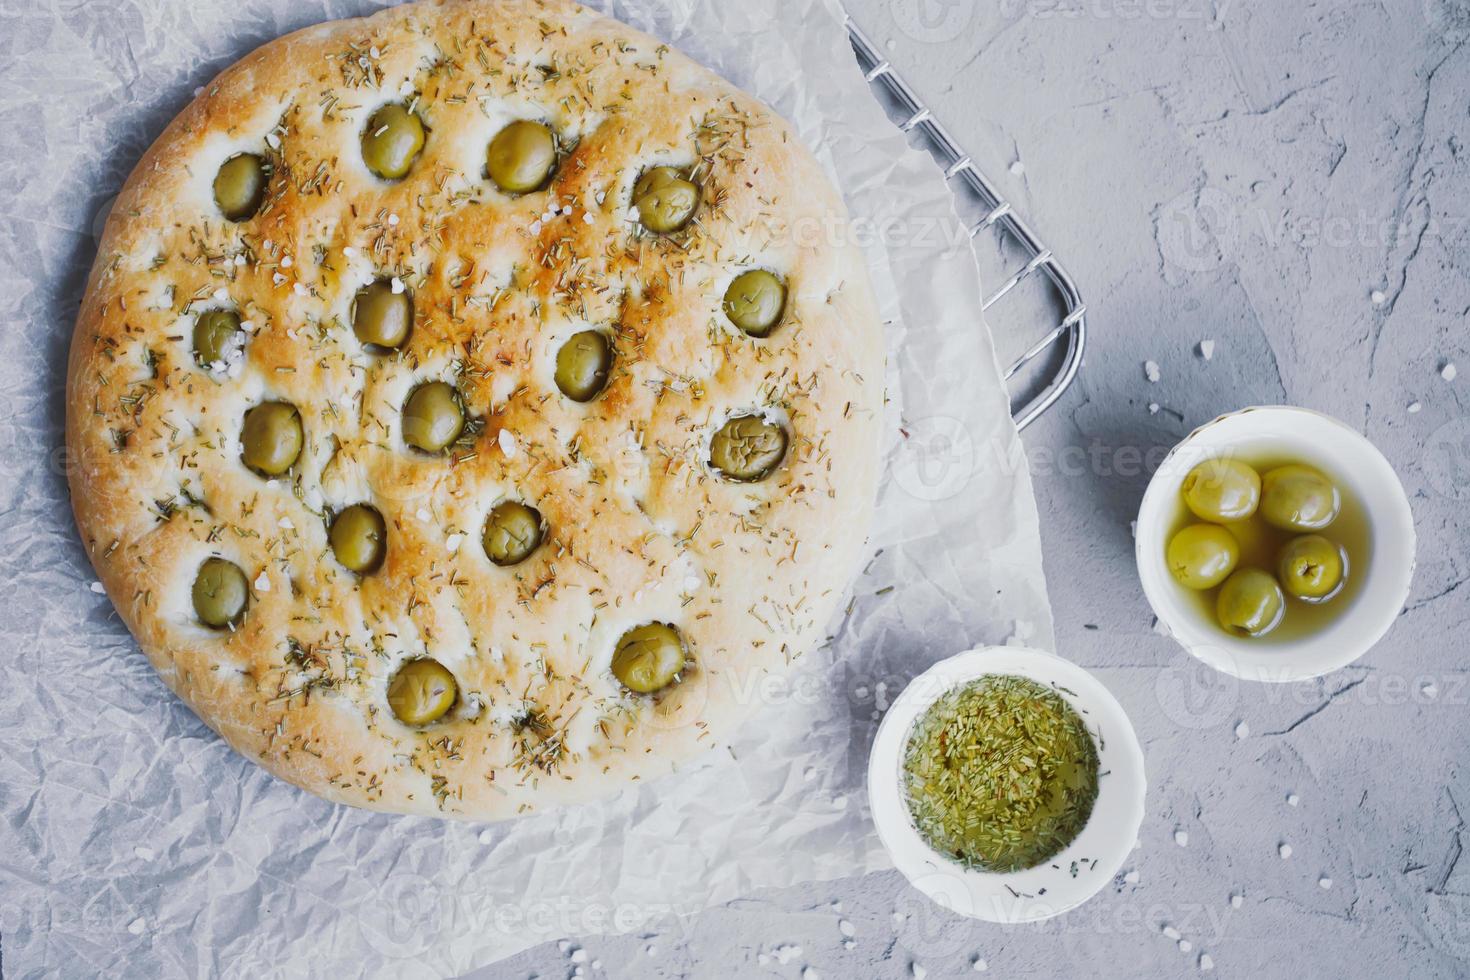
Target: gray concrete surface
(1290,181)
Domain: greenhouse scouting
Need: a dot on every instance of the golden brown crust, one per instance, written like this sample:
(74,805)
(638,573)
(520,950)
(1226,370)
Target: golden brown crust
(639,529)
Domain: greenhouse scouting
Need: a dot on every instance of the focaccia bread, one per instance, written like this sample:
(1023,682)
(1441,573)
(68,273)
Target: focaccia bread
(474,405)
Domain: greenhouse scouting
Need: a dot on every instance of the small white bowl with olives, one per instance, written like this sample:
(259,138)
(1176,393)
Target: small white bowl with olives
(967,800)
(1276,544)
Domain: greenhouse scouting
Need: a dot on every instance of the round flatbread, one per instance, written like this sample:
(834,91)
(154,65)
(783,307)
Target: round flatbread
(412,432)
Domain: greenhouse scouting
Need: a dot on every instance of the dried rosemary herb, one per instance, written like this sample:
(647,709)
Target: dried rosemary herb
(1000,774)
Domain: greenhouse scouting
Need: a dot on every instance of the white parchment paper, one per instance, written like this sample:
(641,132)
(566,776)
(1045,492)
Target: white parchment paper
(134,842)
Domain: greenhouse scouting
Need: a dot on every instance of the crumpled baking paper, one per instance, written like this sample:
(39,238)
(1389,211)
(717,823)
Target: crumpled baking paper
(132,840)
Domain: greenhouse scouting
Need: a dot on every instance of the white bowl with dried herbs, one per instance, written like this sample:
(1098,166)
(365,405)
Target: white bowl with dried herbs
(1007,784)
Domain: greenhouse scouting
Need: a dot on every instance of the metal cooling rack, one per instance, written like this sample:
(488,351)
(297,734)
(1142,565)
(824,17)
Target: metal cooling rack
(1045,369)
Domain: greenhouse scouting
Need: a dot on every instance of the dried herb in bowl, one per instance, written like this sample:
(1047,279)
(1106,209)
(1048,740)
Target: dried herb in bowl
(1000,774)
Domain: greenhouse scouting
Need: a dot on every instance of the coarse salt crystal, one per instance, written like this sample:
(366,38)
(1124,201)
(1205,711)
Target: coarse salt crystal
(423,514)
(1185,945)
(846,928)
(287,262)
(535,227)
(137,926)
(1153,408)
(1449,371)
(1236,901)
(1151,371)
(143,853)
(1415,408)
(453,542)
(1284,850)
(1292,799)
(587,218)
(1205,963)
(262,582)
(220,296)
(240,259)
(393,220)
(248,326)
(396,285)
(1324,882)
(507,443)
(1170,932)
(809,973)
(375,52)
(979,966)
(1018,168)
(1379,297)
(97,588)
(273,141)
(486,836)
(1207,349)
(300,289)
(285,524)
(579,956)
(919,973)
(1242,730)
(1131,877)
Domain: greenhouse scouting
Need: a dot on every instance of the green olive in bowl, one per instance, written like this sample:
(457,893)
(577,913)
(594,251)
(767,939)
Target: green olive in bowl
(1312,568)
(433,417)
(521,157)
(239,186)
(648,658)
(422,692)
(1222,490)
(220,593)
(1250,603)
(1201,556)
(1299,498)
(359,538)
(392,141)
(666,199)
(271,438)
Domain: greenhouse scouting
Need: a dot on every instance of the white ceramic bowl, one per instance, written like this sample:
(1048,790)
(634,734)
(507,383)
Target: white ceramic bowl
(1315,439)
(1081,869)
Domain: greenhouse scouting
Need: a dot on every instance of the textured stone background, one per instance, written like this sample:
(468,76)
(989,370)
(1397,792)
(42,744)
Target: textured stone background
(1290,181)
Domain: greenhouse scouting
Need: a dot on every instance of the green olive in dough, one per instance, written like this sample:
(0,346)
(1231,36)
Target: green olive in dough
(432,417)
(1202,555)
(215,332)
(521,157)
(512,532)
(380,316)
(239,186)
(1222,490)
(359,538)
(755,300)
(392,141)
(271,439)
(220,593)
(422,692)
(1250,603)
(665,200)
(582,365)
(1299,498)
(747,448)
(648,658)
